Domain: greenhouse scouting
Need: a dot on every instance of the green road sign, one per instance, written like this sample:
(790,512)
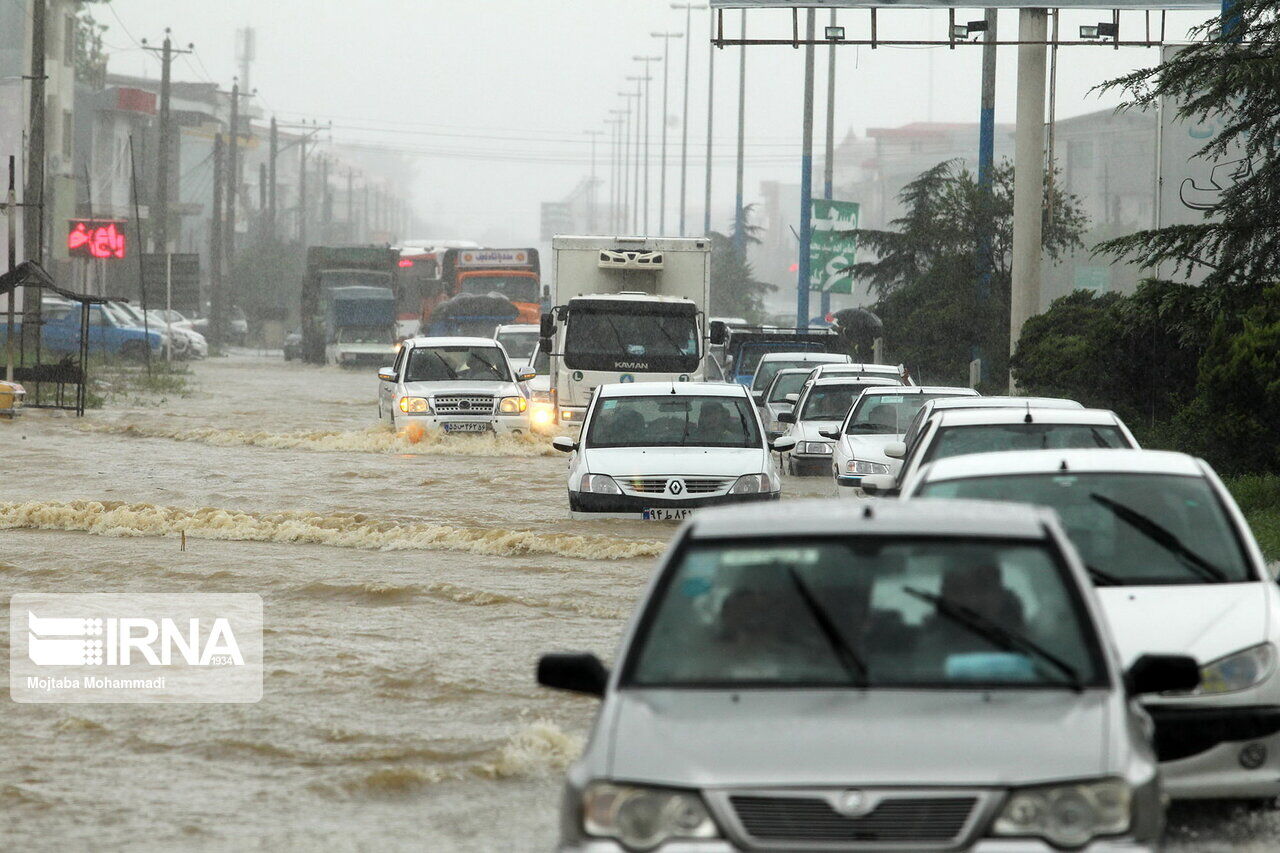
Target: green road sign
(829,250)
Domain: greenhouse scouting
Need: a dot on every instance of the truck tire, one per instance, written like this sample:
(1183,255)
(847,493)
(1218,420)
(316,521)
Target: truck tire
(133,350)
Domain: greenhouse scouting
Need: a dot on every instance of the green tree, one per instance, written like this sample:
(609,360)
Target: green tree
(936,303)
(735,290)
(1233,82)
(90,54)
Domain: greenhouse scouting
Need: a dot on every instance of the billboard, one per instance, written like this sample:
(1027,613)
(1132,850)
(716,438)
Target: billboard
(103,239)
(830,250)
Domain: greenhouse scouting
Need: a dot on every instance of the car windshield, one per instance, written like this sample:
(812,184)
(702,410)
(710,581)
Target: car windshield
(765,372)
(829,402)
(886,414)
(884,612)
(990,438)
(1129,528)
(787,383)
(366,335)
(517,288)
(456,364)
(518,344)
(673,420)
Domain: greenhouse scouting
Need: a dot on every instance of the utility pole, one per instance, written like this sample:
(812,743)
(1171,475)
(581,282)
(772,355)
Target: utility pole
(591,191)
(647,60)
(160,213)
(635,178)
(986,162)
(684,122)
(33,192)
(711,97)
(739,233)
(11,222)
(216,248)
(326,203)
(1028,172)
(828,182)
(233,175)
(366,210)
(625,215)
(615,160)
(662,168)
(351,204)
(302,192)
(806,181)
(274,151)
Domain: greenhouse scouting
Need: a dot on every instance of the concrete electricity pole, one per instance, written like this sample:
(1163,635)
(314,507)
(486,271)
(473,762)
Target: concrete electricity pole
(684,121)
(33,192)
(806,180)
(739,231)
(1028,171)
(829,167)
(233,174)
(986,163)
(273,152)
(662,168)
(160,212)
(216,248)
(711,98)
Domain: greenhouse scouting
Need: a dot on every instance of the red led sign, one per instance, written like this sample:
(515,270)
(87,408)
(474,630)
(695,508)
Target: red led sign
(96,238)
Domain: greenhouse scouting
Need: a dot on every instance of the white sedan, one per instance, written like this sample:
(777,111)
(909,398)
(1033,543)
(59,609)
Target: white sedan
(1177,570)
(463,385)
(820,409)
(657,451)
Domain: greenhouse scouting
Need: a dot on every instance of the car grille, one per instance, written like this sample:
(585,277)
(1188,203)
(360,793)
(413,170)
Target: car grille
(463,404)
(659,485)
(900,820)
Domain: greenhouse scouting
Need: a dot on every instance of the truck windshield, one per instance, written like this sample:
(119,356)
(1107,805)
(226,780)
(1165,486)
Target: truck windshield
(673,421)
(457,364)
(626,340)
(836,612)
(518,344)
(347,278)
(517,288)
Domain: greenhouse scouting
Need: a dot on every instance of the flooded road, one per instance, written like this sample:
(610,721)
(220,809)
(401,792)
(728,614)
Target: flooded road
(408,591)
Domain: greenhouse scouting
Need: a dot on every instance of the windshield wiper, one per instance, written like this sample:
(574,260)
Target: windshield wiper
(853,665)
(445,365)
(1162,536)
(1010,641)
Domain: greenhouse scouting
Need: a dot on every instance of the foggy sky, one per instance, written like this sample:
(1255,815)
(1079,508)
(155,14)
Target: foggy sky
(436,77)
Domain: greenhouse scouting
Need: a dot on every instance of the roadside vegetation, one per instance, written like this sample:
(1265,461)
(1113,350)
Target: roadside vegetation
(1259,499)
(127,383)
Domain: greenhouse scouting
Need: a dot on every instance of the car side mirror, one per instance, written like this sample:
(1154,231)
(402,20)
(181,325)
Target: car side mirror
(387,374)
(793,398)
(786,417)
(879,485)
(1163,674)
(564,444)
(526,375)
(716,335)
(578,673)
(833,434)
(895,450)
(546,326)
(783,444)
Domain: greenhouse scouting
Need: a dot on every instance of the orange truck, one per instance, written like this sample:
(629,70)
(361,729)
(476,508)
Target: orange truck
(436,275)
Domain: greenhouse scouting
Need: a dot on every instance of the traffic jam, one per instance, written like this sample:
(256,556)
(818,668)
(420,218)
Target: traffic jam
(1008,627)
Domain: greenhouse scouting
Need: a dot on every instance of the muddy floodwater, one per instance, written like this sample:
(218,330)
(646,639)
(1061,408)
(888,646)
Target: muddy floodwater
(408,589)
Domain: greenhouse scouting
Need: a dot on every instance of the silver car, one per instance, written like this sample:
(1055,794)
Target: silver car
(912,676)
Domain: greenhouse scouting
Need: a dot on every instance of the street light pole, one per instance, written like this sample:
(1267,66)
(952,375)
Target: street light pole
(647,77)
(711,97)
(739,236)
(662,169)
(635,181)
(829,176)
(684,122)
(614,167)
(628,189)
(806,182)
(591,188)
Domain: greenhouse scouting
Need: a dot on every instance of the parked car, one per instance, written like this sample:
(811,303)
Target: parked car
(109,333)
(819,411)
(824,676)
(657,451)
(455,385)
(1178,570)
(956,432)
(236,326)
(878,417)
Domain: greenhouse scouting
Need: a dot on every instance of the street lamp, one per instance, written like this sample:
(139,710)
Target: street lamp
(631,188)
(662,171)
(684,122)
(615,169)
(647,60)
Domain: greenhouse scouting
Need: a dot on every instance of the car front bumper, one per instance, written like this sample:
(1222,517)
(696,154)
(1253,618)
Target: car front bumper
(811,464)
(983,845)
(1216,752)
(629,505)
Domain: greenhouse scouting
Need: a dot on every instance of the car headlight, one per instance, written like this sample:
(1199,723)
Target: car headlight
(643,818)
(814,447)
(599,484)
(512,405)
(1067,815)
(1236,671)
(862,466)
(415,405)
(750,484)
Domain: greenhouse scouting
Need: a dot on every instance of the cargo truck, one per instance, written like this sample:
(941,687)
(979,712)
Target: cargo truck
(628,309)
(332,267)
(360,325)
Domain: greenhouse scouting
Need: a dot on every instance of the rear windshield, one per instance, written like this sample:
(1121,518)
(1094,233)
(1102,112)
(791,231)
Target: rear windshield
(673,421)
(990,438)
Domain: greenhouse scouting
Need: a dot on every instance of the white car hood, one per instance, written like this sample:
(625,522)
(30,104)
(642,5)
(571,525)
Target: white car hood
(690,461)
(869,447)
(1205,621)
(424,389)
(716,738)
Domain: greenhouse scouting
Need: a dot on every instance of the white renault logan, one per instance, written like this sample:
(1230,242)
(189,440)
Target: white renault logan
(658,451)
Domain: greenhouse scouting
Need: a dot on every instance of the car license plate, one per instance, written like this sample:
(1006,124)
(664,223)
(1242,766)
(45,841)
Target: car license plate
(466,427)
(667,514)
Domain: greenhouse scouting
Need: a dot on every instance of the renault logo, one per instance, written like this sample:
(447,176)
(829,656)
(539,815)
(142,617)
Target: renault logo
(853,802)
(675,487)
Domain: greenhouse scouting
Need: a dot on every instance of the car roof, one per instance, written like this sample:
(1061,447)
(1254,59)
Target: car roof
(443,341)
(820,357)
(1089,460)
(1013,416)
(860,367)
(1003,402)
(923,516)
(678,389)
(898,390)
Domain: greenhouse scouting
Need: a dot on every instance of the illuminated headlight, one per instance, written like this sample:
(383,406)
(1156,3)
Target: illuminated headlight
(862,466)
(814,447)
(750,484)
(540,396)
(415,405)
(541,415)
(644,818)
(599,484)
(1236,672)
(512,405)
(1067,815)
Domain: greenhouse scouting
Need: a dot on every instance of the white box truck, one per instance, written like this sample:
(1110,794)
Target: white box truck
(628,309)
